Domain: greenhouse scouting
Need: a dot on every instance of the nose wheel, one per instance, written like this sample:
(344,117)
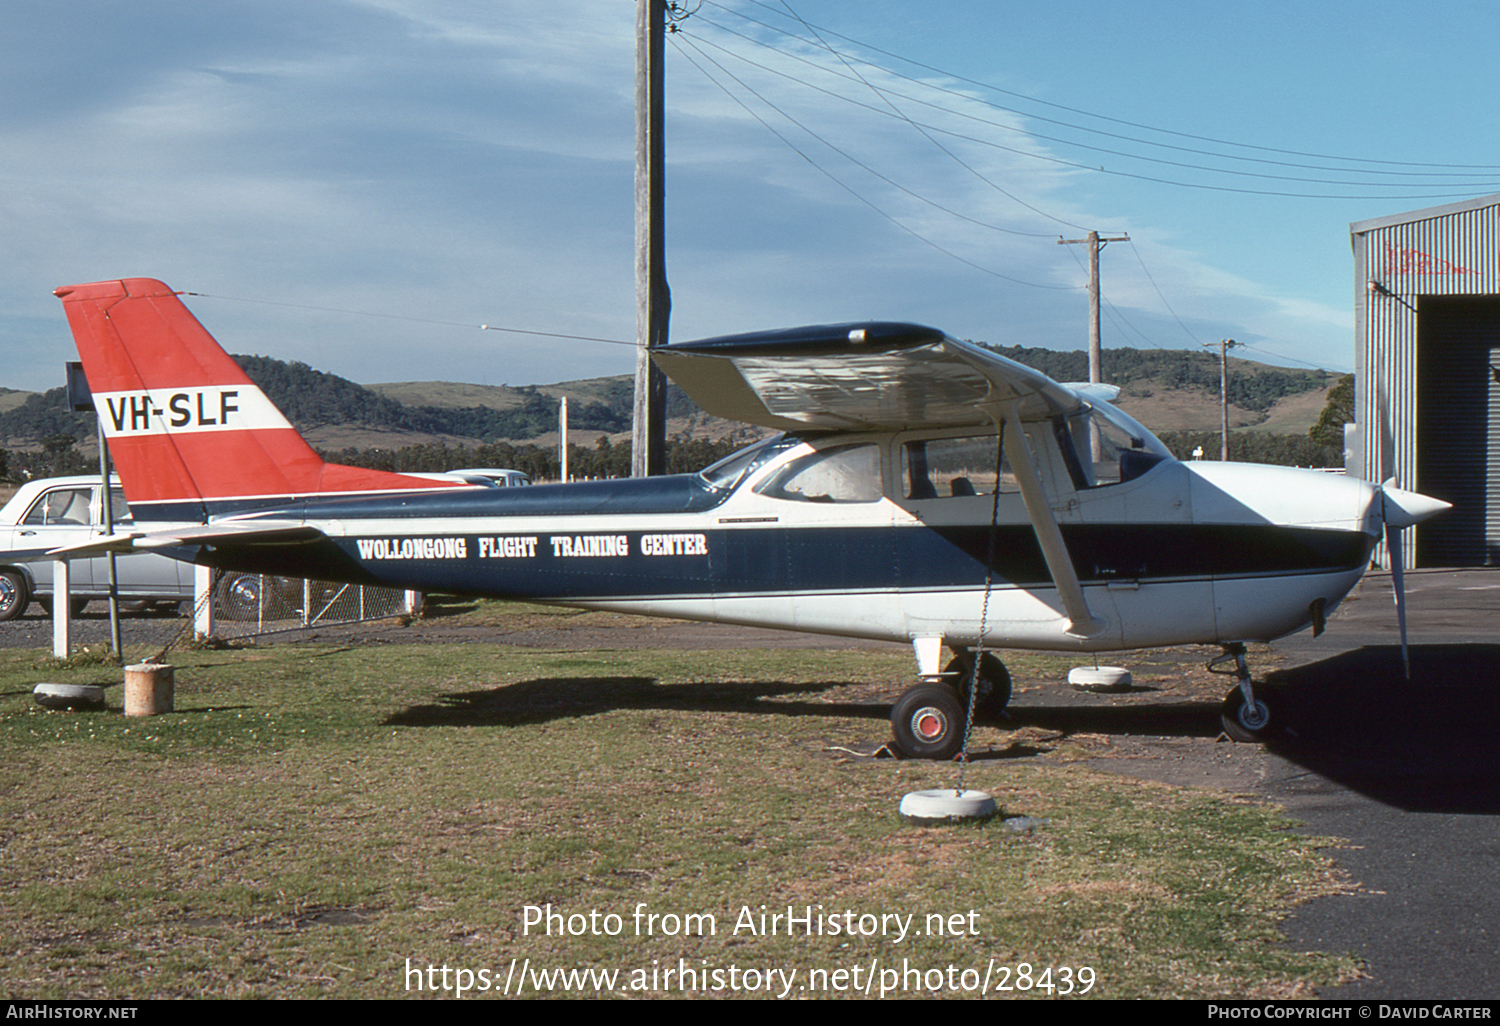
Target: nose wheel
(1246,715)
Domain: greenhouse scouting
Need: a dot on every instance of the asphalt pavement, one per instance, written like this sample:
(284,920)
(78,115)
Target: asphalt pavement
(1407,772)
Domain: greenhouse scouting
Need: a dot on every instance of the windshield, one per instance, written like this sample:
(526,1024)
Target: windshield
(1112,446)
(731,470)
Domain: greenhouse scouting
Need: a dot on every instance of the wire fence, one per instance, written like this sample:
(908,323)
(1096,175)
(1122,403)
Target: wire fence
(237,606)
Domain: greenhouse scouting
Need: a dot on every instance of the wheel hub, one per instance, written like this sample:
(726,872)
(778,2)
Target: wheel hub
(928,723)
(1254,716)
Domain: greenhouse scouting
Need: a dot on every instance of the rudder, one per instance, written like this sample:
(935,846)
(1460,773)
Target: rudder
(189,432)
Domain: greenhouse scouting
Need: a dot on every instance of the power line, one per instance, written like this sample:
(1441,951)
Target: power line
(885,98)
(899,116)
(1412,193)
(1090,114)
(680,42)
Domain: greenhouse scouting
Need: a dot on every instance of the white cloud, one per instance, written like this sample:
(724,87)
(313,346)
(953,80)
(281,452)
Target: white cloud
(451,162)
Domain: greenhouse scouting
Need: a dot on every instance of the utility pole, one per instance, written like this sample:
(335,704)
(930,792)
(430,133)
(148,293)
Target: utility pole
(1224,346)
(652,297)
(1095,244)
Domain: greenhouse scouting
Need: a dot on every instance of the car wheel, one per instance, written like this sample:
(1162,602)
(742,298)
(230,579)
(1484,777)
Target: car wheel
(248,597)
(78,605)
(14,595)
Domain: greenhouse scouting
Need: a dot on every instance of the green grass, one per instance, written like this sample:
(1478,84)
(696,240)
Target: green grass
(314,821)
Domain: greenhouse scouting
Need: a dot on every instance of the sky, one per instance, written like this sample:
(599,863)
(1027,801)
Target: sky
(361,184)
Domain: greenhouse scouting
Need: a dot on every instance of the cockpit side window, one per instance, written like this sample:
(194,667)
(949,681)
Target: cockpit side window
(941,468)
(845,473)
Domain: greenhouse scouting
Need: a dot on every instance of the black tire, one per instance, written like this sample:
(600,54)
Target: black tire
(928,722)
(249,597)
(994,683)
(15,595)
(1247,724)
(151,607)
(78,606)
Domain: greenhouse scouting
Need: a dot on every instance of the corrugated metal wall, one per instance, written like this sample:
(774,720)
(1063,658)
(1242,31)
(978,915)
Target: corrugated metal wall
(1442,251)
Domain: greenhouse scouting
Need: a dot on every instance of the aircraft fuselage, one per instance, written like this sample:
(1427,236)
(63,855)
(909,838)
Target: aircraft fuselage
(1184,553)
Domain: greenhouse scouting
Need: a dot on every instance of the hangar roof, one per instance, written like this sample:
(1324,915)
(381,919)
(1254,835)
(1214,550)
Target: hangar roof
(1360,227)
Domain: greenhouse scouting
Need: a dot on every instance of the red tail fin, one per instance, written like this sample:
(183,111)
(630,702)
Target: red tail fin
(185,425)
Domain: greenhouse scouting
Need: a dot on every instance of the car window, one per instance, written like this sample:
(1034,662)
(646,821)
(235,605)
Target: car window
(118,507)
(61,506)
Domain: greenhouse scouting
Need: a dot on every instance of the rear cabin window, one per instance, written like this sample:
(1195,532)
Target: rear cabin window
(848,473)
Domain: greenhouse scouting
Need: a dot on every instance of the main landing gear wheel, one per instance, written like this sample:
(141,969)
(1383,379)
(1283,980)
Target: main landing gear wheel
(994,683)
(1246,722)
(928,722)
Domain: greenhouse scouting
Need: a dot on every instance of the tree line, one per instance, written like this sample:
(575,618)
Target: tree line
(1252,386)
(605,459)
(311,398)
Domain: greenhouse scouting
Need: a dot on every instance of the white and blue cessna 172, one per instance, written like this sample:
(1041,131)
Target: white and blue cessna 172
(925,491)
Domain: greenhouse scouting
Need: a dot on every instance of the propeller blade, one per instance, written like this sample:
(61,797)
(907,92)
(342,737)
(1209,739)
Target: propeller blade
(1400,509)
(1398,588)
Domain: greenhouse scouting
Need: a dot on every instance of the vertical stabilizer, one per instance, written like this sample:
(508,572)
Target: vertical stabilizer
(188,430)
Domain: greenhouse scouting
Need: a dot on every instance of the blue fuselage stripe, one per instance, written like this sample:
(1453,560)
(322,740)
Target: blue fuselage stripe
(773,560)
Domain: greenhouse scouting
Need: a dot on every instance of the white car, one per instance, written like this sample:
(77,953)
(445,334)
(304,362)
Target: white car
(52,512)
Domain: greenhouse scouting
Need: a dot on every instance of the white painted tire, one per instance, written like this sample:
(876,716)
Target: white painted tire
(934,808)
(1099,678)
(69,696)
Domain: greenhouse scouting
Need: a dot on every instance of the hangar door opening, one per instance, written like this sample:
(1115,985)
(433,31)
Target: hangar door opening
(1458,428)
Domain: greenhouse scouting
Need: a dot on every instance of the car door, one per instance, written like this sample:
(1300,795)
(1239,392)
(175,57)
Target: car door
(145,573)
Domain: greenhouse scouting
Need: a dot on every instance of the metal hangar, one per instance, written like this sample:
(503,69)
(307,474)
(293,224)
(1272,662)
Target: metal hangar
(1427,370)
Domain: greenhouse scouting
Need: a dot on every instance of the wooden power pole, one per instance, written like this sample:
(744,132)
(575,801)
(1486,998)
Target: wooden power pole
(652,297)
(1224,346)
(1095,244)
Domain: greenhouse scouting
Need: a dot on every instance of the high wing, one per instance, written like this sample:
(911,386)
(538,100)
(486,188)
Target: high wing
(878,376)
(887,376)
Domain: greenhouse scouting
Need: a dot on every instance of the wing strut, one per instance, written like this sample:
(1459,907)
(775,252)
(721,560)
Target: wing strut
(1081,622)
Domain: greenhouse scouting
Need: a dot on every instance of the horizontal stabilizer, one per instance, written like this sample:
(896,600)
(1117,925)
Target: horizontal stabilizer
(238,532)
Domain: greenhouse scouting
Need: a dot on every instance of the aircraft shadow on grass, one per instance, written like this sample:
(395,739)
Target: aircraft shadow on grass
(556,698)
(1424,745)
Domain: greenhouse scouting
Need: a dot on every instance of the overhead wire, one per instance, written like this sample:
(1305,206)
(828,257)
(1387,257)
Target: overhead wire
(921,130)
(1411,194)
(866,167)
(891,109)
(1092,114)
(678,41)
